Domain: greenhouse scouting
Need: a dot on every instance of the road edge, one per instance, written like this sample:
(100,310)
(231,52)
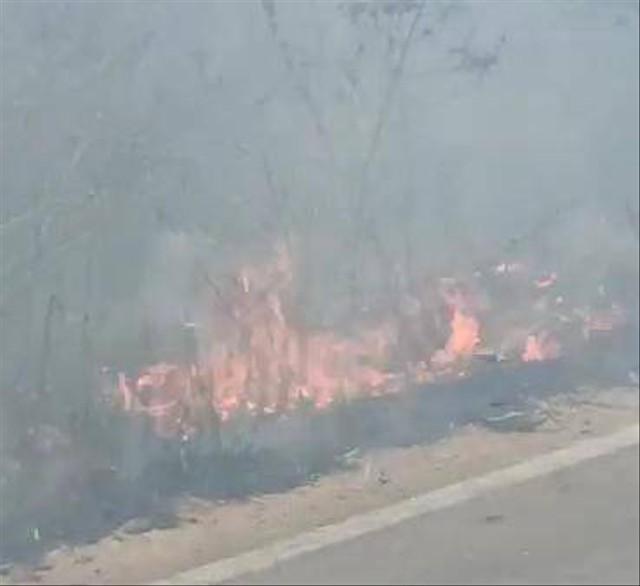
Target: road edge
(316,539)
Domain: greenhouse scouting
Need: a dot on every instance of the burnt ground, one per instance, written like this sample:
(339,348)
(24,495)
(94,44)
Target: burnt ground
(208,531)
(274,455)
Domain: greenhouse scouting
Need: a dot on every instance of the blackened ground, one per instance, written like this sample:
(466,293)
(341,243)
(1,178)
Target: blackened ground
(277,454)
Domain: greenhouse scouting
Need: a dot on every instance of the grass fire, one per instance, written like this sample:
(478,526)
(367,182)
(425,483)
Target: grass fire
(262,362)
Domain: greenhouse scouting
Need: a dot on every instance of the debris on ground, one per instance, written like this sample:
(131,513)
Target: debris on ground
(515,421)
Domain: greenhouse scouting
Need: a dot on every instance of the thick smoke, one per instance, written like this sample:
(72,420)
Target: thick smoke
(150,148)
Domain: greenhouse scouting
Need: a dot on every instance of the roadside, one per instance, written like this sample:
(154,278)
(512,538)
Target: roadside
(576,525)
(211,531)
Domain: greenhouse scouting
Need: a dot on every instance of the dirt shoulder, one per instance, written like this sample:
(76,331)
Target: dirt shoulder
(210,531)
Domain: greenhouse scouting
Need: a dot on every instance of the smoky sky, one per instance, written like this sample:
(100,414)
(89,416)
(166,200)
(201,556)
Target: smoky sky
(128,125)
(148,147)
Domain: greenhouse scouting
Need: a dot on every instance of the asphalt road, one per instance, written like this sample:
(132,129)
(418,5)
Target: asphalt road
(576,526)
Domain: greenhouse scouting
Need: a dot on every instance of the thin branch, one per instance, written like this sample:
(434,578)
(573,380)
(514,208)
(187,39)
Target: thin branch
(269,9)
(385,109)
(366,225)
(54,305)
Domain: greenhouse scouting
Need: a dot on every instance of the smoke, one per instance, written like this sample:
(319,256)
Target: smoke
(148,149)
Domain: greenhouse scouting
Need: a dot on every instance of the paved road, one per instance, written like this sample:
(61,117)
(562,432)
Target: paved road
(577,526)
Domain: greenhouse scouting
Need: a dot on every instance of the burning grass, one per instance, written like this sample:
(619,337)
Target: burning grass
(260,360)
(264,402)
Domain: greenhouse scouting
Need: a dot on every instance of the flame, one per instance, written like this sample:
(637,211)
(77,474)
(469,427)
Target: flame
(545,281)
(465,334)
(532,351)
(539,347)
(160,392)
(263,361)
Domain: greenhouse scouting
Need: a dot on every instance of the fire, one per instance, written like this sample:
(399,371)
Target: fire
(263,361)
(465,334)
(545,281)
(539,347)
(160,392)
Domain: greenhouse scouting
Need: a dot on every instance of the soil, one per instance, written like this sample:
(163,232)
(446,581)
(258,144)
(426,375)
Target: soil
(209,531)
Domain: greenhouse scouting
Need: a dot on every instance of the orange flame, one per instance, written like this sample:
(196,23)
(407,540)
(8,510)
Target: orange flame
(263,361)
(540,347)
(465,334)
